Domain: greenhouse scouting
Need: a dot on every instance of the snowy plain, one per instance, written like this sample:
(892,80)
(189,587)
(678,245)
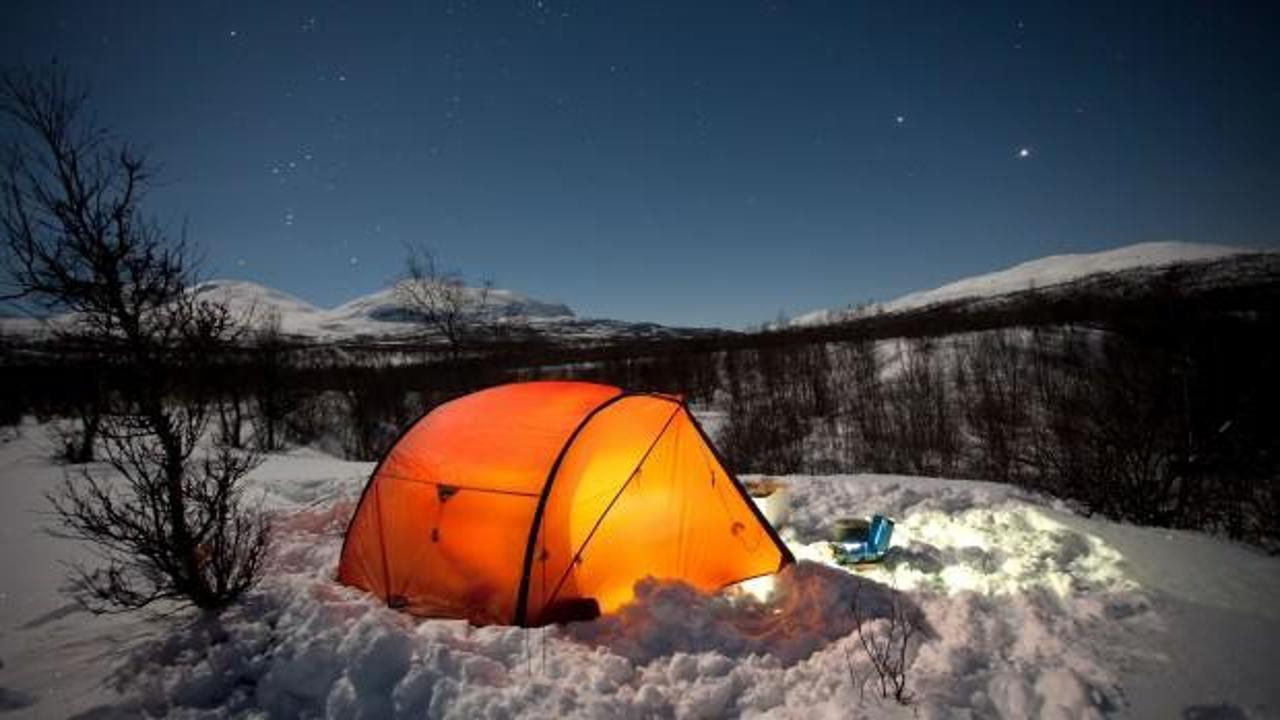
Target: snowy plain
(1029,610)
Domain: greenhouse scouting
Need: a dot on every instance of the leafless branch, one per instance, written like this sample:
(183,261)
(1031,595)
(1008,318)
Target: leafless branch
(167,525)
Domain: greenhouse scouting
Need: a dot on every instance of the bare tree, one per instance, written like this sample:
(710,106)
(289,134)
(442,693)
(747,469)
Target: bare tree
(441,300)
(169,524)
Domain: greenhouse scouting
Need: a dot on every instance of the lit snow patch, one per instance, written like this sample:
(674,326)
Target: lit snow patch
(759,588)
(1007,550)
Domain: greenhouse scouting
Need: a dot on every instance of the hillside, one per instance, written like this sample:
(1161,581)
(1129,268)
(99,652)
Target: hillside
(1122,272)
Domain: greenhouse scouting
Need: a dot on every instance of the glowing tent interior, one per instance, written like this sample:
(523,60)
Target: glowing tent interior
(513,503)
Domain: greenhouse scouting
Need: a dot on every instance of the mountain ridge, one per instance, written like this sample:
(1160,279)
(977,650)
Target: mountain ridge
(1046,274)
(381,316)
(379,313)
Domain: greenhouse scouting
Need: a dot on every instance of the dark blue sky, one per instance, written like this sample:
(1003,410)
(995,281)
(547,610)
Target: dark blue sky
(693,163)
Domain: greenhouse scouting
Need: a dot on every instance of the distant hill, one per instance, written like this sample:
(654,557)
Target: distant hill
(1124,272)
(380,316)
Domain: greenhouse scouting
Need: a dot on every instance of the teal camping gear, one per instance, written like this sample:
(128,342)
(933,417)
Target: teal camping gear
(871,546)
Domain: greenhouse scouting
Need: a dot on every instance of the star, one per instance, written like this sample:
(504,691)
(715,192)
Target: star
(233,33)
(1024,153)
(900,119)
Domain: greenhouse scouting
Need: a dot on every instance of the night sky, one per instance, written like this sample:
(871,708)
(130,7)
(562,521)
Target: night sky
(684,162)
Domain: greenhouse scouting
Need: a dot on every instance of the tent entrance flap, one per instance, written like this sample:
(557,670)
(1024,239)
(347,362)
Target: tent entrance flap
(576,559)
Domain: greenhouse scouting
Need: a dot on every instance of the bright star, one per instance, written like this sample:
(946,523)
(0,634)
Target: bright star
(900,119)
(1024,152)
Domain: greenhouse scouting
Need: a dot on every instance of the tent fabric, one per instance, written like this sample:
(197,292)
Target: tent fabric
(499,505)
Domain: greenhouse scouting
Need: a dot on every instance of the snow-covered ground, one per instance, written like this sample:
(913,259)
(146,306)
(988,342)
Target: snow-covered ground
(1042,273)
(1028,611)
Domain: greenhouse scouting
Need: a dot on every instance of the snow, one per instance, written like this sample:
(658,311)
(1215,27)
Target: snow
(381,316)
(377,314)
(1042,273)
(1028,611)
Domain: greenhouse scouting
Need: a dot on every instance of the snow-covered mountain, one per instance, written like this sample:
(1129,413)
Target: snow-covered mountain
(244,297)
(1046,274)
(381,315)
(376,315)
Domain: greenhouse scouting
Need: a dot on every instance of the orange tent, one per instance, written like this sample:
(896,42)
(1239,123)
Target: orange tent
(514,503)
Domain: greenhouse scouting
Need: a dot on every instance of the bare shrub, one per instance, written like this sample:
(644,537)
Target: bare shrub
(76,439)
(764,435)
(991,380)
(274,394)
(861,407)
(921,414)
(886,643)
(199,546)
(771,416)
(231,417)
(376,411)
